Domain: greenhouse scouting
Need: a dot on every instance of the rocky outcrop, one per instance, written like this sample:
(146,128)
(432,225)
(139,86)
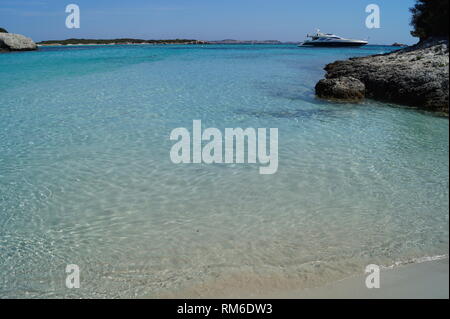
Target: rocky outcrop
(415,76)
(16,42)
(342,88)
(396,44)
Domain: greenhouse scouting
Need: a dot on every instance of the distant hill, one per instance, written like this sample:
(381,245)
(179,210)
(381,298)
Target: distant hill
(231,41)
(3,30)
(141,41)
(119,41)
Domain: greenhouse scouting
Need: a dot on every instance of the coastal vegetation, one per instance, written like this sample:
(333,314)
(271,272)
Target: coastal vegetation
(3,30)
(430,19)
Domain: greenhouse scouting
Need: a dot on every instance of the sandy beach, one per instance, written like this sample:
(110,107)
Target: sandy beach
(427,280)
(421,280)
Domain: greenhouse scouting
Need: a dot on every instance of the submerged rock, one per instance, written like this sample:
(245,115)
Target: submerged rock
(415,76)
(342,88)
(16,42)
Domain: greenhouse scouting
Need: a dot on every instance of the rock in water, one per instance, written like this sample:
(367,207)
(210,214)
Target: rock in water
(342,88)
(16,42)
(396,44)
(415,76)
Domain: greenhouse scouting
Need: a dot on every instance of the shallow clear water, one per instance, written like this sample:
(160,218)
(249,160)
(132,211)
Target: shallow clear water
(86,177)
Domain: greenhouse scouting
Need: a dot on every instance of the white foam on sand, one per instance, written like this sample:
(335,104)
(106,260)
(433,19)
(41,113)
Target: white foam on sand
(416,261)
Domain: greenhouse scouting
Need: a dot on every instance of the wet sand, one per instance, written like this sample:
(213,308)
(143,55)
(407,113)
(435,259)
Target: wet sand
(428,280)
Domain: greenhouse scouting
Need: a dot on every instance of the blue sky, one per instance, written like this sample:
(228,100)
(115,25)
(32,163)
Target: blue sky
(286,20)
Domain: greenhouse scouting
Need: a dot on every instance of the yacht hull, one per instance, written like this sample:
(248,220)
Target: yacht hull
(333,44)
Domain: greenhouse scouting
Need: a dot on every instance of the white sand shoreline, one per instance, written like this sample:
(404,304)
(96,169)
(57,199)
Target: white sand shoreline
(420,278)
(424,280)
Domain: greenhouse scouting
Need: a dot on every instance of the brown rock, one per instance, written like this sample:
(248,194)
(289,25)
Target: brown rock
(343,88)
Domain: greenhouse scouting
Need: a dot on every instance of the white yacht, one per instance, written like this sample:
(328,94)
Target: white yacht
(331,40)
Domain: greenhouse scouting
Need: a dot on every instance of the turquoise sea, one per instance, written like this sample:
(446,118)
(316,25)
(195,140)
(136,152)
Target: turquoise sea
(86,177)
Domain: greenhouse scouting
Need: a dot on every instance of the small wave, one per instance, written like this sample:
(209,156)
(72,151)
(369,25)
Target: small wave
(418,260)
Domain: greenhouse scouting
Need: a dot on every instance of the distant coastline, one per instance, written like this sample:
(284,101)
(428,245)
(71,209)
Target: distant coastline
(130,41)
(121,41)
